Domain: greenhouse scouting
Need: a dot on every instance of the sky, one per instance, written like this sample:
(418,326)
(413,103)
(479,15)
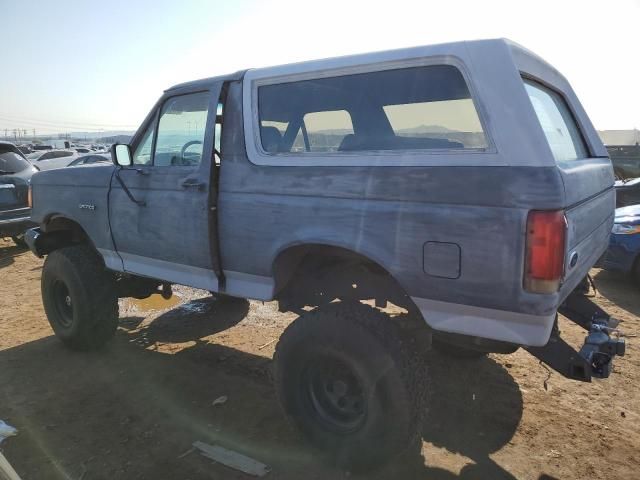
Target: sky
(89,65)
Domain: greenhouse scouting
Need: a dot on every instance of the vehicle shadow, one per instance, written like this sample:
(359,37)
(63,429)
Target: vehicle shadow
(475,410)
(475,405)
(131,411)
(619,289)
(8,251)
(193,320)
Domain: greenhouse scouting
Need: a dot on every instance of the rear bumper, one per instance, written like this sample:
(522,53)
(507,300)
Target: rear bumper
(15,222)
(511,327)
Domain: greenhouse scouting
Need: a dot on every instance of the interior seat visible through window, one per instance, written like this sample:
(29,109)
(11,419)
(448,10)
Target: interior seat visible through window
(271,139)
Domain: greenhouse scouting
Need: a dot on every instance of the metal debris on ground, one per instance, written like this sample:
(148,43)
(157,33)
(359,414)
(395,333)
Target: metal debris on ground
(232,459)
(6,470)
(6,430)
(220,400)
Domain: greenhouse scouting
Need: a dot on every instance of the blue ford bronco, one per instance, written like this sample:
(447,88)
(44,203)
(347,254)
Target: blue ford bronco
(461,184)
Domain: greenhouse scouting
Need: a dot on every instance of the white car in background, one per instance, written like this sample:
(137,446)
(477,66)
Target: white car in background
(50,159)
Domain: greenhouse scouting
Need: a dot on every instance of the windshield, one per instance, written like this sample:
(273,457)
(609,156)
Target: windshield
(11,162)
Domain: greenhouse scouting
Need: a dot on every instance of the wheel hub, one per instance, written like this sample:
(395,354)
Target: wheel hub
(63,304)
(336,396)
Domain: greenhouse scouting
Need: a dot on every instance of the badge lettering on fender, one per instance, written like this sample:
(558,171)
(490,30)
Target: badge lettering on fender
(87,206)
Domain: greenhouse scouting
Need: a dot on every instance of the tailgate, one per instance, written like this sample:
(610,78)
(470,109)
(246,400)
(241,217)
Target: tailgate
(591,203)
(587,175)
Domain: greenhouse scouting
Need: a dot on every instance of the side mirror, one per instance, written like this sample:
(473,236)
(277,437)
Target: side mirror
(121,155)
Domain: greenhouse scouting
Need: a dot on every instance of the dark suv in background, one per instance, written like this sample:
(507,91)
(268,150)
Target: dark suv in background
(15,176)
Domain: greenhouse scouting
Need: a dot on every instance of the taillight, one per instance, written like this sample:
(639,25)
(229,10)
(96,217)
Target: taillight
(30,196)
(545,251)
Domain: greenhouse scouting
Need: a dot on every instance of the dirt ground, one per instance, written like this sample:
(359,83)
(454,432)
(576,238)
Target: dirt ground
(133,410)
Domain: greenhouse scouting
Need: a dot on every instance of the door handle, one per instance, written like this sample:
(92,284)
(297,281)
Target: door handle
(193,183)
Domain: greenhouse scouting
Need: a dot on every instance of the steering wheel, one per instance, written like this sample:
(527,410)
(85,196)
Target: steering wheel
(184,149)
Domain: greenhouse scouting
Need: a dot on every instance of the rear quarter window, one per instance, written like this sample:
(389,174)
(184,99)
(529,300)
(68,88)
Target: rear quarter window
(416,108)
(557,122)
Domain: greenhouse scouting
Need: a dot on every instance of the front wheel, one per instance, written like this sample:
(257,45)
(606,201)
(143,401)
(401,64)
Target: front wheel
(350,381)
(79,297)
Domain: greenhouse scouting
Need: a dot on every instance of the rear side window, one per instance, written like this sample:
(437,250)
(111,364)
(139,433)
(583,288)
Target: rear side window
(417,108)
(11,162)
(557,122)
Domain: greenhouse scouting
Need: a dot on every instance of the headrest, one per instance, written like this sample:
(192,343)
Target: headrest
(271,139)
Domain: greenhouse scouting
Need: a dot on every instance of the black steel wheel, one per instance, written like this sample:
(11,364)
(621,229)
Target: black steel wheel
(335,395)
(63,303)
(349,379)
(79,297)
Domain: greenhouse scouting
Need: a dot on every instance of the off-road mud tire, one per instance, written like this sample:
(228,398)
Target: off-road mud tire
(388,365)
(79,297)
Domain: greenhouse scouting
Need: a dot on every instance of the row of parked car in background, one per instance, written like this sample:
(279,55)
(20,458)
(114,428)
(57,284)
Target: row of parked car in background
(623,254)
(19,163)
(46,157)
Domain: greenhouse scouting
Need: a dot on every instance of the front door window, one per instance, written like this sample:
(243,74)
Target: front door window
(181,130)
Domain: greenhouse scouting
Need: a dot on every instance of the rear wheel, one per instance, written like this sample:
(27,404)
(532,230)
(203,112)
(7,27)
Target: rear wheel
(350,381)
(79,297)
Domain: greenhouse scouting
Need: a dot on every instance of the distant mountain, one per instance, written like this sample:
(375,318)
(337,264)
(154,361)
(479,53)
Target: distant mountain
(426,129)
(114,139)
(418,129)
(96,135)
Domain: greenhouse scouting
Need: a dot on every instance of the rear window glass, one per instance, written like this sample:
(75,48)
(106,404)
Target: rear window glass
(419,108)
(557,122)
(11,162)
(326,130)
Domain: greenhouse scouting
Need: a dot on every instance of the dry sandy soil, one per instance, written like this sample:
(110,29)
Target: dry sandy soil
(132,410)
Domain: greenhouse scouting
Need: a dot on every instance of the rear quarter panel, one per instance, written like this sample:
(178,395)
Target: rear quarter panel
(388,214)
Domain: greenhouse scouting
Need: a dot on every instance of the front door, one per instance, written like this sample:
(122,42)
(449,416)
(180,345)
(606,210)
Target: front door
(160,206)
